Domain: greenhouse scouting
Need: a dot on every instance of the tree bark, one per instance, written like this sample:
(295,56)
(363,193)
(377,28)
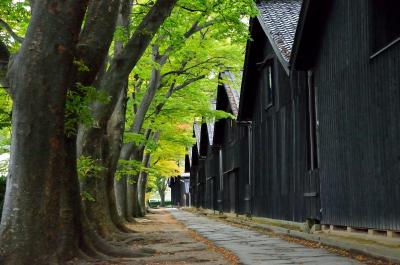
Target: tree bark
(162,197)
(120,185)
(32,200)
(115,130)
(92,49)
(94,140)
(142,182)
(132,184)
(70,206)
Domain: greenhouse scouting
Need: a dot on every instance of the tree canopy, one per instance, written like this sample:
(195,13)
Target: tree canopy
(96,92)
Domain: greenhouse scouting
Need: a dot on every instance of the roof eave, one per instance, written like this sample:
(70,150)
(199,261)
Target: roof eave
(278,53)
(299,33)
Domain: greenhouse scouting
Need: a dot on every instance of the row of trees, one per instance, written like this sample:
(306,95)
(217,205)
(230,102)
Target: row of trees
(103,94)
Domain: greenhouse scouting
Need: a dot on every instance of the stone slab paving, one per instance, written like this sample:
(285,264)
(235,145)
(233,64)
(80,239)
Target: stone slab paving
(254,248)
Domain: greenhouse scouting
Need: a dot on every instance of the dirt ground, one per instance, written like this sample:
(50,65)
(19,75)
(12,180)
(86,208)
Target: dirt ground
(174,243)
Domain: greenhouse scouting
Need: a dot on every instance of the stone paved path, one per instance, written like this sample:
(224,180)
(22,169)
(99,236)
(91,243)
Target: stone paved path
(254,248)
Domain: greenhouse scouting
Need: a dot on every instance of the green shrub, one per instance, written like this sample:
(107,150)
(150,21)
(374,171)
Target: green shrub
(155,204)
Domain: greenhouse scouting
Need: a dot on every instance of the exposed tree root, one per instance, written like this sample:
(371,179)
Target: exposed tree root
(128,241)
(131,220)
(108,249)
(122,227)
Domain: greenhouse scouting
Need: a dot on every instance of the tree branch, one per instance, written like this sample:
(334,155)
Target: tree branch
(192,30)
(10,31)
(188,82)
(184,70)
(123,63)
(96,37)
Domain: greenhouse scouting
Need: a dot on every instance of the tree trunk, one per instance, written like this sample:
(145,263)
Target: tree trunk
(94,140)
(70,206)
(142,194)
(120,185)
(115,130)
(162,197)
(142,183)
(95,145)
(131,197)
(132,182)
(32,201)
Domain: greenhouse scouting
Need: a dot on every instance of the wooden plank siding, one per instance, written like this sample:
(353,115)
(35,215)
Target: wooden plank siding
(230,177)
(325,147)
(278,134)
(359,122)
(194,176)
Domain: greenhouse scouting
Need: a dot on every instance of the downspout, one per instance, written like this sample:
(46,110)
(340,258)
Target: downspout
(220,197)
(250,150)
(249,187)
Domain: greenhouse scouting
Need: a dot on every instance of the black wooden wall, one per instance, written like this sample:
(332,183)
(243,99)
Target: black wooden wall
(176,195)
(359,122)
(179,197)
(279,140)
(357,178)
(212,178)
(194,176)
(231,138)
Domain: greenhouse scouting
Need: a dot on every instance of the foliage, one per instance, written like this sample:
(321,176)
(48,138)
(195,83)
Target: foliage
(5,109)
(155,204)
(5,121)
(200,39)
(77,107)
(16,14)
(129,168)
(4,159)
(87,167)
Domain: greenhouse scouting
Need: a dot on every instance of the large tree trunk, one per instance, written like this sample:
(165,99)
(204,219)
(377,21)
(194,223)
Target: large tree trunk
(94,140)
(120,185)
(162,197)
(32,201)
(95,145)
(132,202)
(142,184)
(115,130)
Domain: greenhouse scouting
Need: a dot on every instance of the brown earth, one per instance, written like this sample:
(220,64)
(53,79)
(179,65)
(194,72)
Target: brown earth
(174,243)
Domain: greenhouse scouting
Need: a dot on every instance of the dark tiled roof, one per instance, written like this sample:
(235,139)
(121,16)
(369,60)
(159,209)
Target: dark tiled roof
(280,17)
(233,94)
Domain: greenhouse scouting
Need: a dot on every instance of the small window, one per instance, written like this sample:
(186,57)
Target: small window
(385,23)
(268,87)
(230,131)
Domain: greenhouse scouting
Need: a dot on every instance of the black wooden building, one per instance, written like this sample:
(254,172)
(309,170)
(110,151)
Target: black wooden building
(180,196)
(231,149)
(193,189)
(275,101)
(219,171)
(351,52)
(180,186)
(318,123)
